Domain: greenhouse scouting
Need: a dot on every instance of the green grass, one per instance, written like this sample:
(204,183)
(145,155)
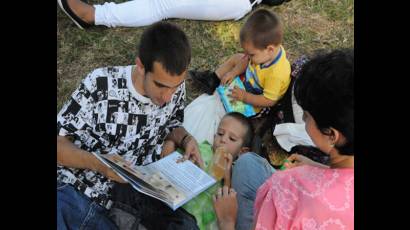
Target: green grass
(309,25)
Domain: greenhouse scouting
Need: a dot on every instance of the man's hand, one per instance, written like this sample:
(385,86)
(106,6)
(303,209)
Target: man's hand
(192,152)
(109,173)
(226,207)
(167,148)
(237,94)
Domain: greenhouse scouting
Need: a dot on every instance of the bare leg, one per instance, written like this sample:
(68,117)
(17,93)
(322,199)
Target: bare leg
(82,10)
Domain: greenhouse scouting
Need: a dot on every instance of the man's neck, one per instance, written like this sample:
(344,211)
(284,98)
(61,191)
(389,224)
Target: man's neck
(137,81)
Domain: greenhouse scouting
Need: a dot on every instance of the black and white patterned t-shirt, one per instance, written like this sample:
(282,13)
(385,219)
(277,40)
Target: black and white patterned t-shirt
(106,115)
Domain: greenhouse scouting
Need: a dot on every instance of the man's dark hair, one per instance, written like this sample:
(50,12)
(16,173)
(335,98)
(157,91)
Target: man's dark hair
(247,139)
(324,88)
(167,44)
(262,28)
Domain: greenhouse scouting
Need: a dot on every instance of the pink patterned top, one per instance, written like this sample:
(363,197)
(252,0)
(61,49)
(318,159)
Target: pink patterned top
(308,198)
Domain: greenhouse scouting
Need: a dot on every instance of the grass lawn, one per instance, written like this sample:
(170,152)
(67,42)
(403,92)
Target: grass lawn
(309,25)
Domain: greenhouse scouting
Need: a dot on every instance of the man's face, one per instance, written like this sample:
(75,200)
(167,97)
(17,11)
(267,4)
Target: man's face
(230,135)
(257,56)
(159,85)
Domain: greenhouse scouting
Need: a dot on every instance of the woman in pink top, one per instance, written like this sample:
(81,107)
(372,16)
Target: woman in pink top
(311,196)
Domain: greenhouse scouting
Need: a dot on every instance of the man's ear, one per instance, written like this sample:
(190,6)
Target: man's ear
(139,67)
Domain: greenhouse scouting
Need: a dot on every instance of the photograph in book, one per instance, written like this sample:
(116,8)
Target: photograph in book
(155,181)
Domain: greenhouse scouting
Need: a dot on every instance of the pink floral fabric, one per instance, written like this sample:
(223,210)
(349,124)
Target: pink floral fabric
(308,198)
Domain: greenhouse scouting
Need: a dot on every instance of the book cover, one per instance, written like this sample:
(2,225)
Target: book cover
(237,106)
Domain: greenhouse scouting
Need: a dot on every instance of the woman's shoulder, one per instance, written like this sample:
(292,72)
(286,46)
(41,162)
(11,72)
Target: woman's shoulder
(295,194)
(311,177)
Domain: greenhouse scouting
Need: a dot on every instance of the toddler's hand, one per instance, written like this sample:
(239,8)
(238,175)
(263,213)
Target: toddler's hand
(237,94)
(227,78)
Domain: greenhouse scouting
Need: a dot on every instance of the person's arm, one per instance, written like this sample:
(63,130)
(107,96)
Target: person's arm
(68,154)
(187,142)
(252,99)
(297,160)
(239,68)
(178,134)
(71,156)
(167,148)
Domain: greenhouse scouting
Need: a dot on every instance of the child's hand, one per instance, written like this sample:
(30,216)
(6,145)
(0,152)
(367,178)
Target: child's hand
(228,170)
(238,94)
(226,207)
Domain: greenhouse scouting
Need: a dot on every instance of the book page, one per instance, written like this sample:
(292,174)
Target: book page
(153,182)
(173,183)
(186,176)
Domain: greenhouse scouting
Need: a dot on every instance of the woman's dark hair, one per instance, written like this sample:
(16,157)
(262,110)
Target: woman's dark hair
(167,44)
(247,139)
(324,88)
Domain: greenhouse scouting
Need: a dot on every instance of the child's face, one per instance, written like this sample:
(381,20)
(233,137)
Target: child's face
(230,135)
(258,56)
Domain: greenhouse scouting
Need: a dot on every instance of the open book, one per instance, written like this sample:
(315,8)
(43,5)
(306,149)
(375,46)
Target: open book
(172,182)
(237,106)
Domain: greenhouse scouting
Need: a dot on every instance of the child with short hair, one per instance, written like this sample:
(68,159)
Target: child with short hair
(263,68)
(234,134)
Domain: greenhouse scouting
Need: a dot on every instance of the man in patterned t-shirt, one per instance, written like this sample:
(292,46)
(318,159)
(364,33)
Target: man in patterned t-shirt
(125,110)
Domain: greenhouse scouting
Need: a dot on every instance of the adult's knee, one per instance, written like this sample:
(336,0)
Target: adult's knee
(251,163)
(72,206)
(249,173)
